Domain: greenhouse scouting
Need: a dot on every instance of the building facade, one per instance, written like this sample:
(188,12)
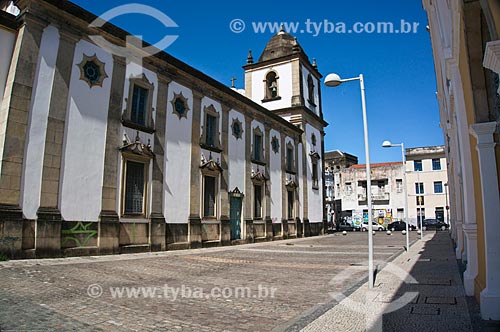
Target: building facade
(426,192)
(466,47)
(335,163)
(427,188)
(386,187)
(101,153)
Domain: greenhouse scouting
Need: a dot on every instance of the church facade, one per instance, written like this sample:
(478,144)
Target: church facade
(102,155)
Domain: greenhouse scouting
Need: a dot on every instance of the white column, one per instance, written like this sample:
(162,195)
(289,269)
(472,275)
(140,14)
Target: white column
(490,296)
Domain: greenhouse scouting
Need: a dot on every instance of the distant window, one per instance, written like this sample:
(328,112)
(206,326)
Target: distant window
(209,195)
(420,214)
(310,90)
(436,164)
(257,189)
(315,179)
(211,127)
(419,188)
(313,139)
(134,187)
(139,103)
(438,187)
(348,188)
(420,200)
(291,202)
(289,158)
(417,165)
(258,151)
(210,136)
(399,185)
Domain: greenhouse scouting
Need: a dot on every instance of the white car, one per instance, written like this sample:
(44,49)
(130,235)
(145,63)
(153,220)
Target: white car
(375,226)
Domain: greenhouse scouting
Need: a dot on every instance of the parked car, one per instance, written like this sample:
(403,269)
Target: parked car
(375,226)
(344,226)
(434,224)
(399,226)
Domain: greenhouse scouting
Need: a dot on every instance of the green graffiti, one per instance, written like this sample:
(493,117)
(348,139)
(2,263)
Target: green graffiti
(79,228)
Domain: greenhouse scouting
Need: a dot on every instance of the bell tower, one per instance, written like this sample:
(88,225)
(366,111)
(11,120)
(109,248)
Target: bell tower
(283,79)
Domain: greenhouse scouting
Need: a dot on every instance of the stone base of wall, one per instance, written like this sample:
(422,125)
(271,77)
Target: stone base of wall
(60,238)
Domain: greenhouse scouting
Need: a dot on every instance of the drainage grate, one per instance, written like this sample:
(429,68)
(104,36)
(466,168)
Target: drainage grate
(420,310)
(441,300)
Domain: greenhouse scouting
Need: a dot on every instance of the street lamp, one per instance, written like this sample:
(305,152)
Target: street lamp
(333,80)
(388,144)
(447,206)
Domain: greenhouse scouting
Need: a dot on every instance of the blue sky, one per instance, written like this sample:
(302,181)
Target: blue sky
(398,68)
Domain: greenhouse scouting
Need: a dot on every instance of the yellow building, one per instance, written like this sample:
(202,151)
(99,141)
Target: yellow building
(466,47)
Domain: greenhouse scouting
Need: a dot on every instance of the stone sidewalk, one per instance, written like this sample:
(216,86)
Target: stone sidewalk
(420,290)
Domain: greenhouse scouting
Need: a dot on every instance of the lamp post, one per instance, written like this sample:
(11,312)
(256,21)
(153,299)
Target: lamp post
(388,144)
(333,80)
(419,206)
(447,208)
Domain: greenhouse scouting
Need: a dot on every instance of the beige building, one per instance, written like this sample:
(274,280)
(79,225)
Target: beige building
(427,186)
(466,46)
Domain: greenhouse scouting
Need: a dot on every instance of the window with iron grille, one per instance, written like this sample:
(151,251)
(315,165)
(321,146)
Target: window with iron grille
(291,202)
(209,196)
(257,202)
(134,188)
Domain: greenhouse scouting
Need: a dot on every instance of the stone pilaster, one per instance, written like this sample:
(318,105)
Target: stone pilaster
(15,109)
(267,156)
(488,169)
(225,231)
(108,241)
(284,228)
(248,199)
(158,228)
(194,225)
(224,208)
(470,274)
(48,232)
(269,229)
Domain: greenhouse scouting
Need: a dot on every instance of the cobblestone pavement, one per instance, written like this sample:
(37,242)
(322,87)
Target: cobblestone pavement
(65,294)
(427,275)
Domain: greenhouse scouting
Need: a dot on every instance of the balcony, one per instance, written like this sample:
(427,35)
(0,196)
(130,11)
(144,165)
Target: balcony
(376,197)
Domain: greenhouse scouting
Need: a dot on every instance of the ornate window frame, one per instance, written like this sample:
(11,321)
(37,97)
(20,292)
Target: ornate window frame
(238,134)
(84,74)
(139,153)
(258,179)
(315,157)
(261,160)
(142,82)
(211,111)
(275,144)
(184,100)
(210,169)
(271,86)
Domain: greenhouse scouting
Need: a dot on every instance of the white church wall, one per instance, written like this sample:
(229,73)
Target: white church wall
(284,72)
(37,122)
(84,140)
(275,180)
(315,196)
(177,158)
(7,39)
(236,154)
